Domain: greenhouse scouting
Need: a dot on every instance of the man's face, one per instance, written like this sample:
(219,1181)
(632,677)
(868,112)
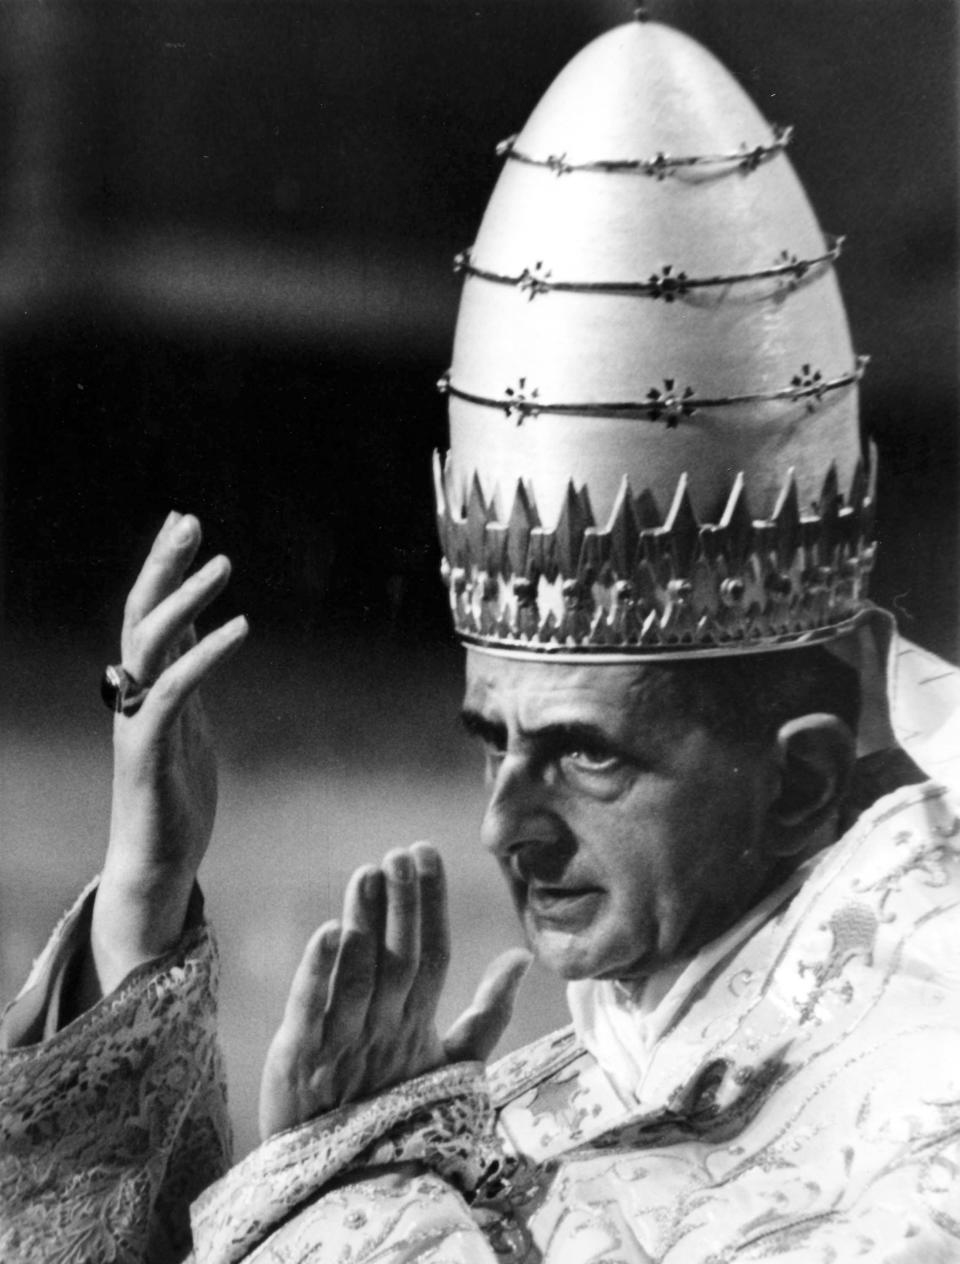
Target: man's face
(629,836)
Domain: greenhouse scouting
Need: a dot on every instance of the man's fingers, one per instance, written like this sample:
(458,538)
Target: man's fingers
(310,988)
(426,988)
(161,633)
(172,688)
(402,929)
(355,971)
(478,1029)
(173,550)
(400,950)
(295,1047)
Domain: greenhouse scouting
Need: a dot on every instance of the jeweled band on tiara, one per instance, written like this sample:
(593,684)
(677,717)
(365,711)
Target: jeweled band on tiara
(745,159)
(644,584)
(668,284)
(668,403)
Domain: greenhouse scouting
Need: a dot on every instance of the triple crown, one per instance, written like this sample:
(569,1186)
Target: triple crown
(646,583)
(650,306)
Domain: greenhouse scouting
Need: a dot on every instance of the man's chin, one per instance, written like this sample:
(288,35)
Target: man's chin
(583,954)
(563,952)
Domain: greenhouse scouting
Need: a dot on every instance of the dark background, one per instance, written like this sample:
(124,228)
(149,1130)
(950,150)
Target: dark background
(226,231)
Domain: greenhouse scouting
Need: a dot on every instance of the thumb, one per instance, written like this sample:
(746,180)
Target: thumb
(476,1032)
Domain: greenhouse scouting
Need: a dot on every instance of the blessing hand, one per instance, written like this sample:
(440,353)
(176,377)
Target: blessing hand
(361,1015)
(165,781)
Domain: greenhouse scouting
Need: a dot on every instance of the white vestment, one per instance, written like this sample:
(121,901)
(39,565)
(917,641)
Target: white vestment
(794,1094)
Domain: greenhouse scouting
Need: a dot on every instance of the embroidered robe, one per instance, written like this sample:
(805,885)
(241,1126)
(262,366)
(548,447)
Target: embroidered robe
(802,1106)
(112,1126)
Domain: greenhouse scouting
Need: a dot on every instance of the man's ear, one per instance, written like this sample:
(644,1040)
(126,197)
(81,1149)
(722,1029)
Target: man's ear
(816,754)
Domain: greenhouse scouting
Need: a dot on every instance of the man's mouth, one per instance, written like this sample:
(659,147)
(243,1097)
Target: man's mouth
(556,904)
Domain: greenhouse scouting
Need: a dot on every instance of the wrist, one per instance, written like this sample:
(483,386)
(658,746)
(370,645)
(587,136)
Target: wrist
(137,918)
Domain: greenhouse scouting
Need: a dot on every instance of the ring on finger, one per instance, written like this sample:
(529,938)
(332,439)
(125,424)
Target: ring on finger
(120,690)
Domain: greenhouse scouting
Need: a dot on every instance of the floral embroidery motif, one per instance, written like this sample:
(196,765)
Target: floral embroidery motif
(853,930)
(439,1120)
(111,1127)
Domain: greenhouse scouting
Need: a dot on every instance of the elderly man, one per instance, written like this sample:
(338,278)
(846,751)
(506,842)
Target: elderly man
(696,798)
(656,522)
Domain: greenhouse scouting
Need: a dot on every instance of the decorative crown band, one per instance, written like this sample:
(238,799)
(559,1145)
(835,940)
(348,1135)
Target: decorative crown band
(645,584)
(667,284)
(669,403)
(744,159)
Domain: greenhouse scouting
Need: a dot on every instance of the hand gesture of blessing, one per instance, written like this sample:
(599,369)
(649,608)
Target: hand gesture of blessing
(165,784)
(361,1015)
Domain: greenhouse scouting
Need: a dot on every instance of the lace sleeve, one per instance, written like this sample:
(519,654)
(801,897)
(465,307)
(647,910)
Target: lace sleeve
(441,1124)
(111,1126)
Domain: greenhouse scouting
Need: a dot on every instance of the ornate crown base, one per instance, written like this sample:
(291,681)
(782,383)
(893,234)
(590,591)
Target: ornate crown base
(643,586)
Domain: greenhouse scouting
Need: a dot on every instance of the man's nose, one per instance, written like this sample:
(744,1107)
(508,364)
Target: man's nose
(506,787)
(519,798)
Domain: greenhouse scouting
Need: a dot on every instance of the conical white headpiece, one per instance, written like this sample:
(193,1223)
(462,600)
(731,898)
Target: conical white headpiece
(654,440)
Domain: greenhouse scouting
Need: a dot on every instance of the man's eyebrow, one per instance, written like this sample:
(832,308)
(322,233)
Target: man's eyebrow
(554,736)
(478,725)
(573,734)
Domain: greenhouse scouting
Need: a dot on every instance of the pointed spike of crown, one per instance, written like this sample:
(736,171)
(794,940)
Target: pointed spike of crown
(830,492)
(624,532)
(476,517)
(586,510)
(523,518)
(452,531)
(786,521)
(830,530)
(682,528)
(858,489)
(647,510)
(737,525)
(574,519)
(475,504)
(736,512)
(524,512)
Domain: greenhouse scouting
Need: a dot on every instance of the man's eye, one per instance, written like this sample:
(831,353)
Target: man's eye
(591,758)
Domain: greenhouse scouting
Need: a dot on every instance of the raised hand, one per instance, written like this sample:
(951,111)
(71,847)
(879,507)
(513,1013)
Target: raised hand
(361,1015)
(165,783)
